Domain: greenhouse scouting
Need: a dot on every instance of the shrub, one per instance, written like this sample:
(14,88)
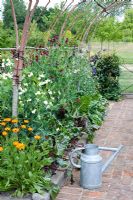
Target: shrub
(107,74)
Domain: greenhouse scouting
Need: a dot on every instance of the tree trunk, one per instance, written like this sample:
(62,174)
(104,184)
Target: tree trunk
(17,77)
(101,45)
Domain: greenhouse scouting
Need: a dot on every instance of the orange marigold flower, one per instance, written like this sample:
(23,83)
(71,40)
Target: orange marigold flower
(15,143)
(7,119)
(2,123)
(1,148)
(7,128)
(30,129)
(4,133)
(14,121)
(20,146)
(26,121)
(23,126)
(15,130)
(37,137)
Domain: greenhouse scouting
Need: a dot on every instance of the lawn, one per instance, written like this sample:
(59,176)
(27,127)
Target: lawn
(123,49)
(126,82)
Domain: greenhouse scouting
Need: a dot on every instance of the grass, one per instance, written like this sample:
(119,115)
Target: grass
(123,49)
(126,82)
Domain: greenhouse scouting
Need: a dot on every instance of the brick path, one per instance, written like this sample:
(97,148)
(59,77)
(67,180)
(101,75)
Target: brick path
(118,179)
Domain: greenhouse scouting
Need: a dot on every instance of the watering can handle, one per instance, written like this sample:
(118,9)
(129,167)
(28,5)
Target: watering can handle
(71,157)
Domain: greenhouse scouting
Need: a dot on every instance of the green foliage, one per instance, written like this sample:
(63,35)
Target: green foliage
(7,37)
(108,30)
(50,95)
(22,158)
(107,75)
(20,10)
(127,26)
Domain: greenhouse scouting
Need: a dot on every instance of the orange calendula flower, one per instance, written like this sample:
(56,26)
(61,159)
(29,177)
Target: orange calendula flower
(15,143)
(1,148)
(2,123)
(20,146)
(30,129)
(4,133)
(37,137)
(7,119)
(26,121)
(15,130)
(15,121)
(7,128)
(23,126)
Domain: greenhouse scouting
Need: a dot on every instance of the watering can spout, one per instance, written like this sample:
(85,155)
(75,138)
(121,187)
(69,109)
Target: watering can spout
(112,157)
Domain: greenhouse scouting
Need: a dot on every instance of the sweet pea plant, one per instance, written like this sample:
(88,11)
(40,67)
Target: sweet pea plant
(59,97)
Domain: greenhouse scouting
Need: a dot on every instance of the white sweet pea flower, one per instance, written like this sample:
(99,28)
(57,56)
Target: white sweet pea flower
(41,75)
(4,76)
(38,93)
(44,82)
(50,92)
(48,106)
(9,75)
(76,71)
(45,102)
(50,103)
(29,100)
(3,65)
(39,78)
(41,83)
(26,84)
(22,91)
(33,111)
(57,129)
(47,81)
(30,74)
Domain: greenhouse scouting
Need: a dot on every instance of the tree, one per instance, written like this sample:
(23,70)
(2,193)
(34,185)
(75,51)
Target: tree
(127,25)
(7,38)
(108,30)
(20,10)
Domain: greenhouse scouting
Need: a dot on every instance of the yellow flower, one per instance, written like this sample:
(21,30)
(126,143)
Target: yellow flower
(15,143)
(7,119)
(20,146)
(37,137)
(2,123)
(30,129)
(7,128)
(26,121)
(15,130)
(4,133)
(23,126)
(1,148)
(15,121)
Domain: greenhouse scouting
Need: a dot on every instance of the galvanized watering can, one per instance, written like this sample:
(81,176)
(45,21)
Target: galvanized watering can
(91,164)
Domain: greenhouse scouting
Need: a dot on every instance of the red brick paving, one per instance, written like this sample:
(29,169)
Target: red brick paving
(118,179)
